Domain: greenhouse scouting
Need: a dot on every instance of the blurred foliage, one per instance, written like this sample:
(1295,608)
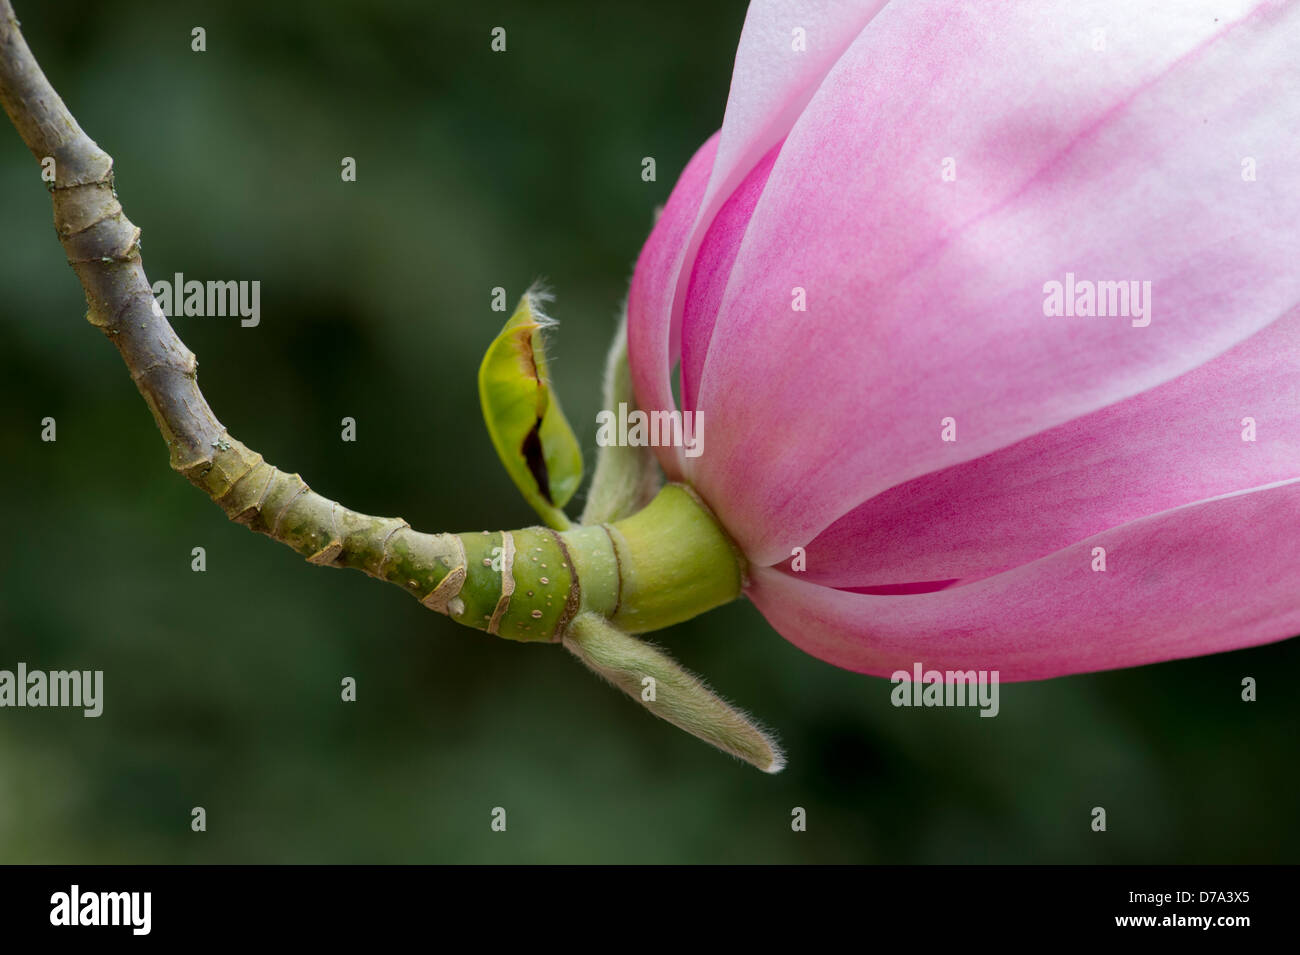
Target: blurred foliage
(222,689)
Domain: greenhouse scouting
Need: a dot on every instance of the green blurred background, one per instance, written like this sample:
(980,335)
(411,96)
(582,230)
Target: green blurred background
(222,688)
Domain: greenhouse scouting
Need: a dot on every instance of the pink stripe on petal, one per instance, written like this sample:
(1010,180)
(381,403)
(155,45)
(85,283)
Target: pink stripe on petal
(1178,443)
(649,303)
(1213,576)
(712,267)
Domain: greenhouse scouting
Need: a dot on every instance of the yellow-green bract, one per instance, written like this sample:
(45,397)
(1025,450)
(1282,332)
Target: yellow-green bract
(524,420)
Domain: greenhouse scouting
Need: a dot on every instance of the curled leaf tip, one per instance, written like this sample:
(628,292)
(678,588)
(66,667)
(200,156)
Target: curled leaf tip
(538,297)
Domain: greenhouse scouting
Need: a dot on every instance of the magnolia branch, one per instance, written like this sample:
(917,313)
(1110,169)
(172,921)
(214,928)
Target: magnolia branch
(103,248)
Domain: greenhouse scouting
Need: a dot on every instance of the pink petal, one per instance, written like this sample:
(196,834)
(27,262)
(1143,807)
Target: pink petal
(772,83)
(1213,576)
(1176,444)
(925,297)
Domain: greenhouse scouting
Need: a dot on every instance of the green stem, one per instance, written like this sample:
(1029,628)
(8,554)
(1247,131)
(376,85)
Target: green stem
(667,563)
(675,562)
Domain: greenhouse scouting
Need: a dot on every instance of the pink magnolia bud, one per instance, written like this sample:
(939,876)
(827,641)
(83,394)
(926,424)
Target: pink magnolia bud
(991,311)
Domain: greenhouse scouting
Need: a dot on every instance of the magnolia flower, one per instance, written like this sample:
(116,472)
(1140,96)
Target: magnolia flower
(990,309)
(991,312)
